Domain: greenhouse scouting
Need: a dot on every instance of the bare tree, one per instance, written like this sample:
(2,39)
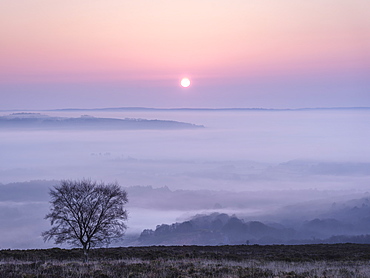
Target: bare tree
(86,213)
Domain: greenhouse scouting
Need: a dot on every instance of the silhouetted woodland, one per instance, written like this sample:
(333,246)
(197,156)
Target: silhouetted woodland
(221,229)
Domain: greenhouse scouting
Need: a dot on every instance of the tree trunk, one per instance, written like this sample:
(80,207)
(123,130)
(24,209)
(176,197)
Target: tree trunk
(86,253)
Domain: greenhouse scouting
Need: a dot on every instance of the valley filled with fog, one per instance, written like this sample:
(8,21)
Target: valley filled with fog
(281,166)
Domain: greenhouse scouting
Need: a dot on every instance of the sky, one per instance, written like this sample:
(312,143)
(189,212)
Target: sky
(114,53)
(236,53)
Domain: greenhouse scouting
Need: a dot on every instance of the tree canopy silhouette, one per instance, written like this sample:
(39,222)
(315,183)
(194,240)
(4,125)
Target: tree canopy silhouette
(86,213)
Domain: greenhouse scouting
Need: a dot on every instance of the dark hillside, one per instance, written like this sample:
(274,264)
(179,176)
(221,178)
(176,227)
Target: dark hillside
(299,253)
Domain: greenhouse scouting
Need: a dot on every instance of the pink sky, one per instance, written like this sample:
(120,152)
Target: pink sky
(286,53)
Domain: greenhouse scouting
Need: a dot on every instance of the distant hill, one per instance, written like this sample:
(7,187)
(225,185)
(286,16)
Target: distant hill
(221,229)
(214,229)
(40,121)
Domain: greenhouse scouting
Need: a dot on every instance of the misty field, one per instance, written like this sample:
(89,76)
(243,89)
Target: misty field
(339,260)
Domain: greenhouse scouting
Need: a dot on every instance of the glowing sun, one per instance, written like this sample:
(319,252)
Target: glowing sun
(185,82)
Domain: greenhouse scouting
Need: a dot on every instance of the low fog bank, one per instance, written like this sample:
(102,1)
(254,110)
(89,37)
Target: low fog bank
(270,166)
(237,150)
(189,174)
(227,136)
(24,205)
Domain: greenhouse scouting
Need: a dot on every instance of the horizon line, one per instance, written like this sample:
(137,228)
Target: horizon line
(194,109)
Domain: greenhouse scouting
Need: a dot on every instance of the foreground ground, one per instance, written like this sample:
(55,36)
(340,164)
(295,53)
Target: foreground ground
(338,260)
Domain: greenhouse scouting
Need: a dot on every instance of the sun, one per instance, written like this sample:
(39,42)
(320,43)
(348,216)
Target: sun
(185,82)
